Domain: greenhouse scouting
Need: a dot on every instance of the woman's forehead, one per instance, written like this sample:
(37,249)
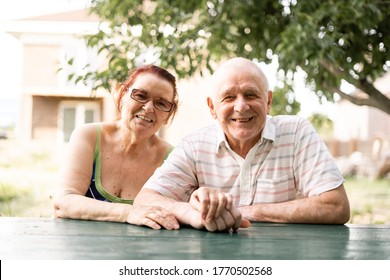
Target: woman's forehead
(153,84)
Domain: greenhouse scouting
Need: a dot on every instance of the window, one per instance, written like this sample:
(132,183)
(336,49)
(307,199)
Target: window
(73,114)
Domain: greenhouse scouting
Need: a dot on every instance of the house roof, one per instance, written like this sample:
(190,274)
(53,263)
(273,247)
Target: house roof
(70,22)
(82,15)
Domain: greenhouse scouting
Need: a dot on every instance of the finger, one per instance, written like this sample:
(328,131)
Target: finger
(210,226)
(166,220)
(194,201)
(170,219)
(221,225)
(204,200)
(221,206)
(213,205)
(229,201)
(228,219)
(150,223)
(236,214)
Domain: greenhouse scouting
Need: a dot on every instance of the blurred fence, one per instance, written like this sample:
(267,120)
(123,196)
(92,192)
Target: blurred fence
(362,158)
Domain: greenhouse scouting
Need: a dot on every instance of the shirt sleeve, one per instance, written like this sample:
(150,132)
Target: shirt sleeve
(176,177)
(314,167)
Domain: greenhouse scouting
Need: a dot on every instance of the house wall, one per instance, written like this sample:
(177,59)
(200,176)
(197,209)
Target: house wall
(40,64)
(362,129)
(379,124)
(44,119)
(193,111)
(351,122)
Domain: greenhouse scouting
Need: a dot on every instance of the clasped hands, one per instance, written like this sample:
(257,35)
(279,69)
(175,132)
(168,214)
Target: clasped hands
(216,210)
(208,208)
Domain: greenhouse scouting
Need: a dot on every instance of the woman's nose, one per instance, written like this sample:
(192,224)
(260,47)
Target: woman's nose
(149,106)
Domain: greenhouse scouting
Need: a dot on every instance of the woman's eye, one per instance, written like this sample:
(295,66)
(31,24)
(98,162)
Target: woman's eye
(141,96)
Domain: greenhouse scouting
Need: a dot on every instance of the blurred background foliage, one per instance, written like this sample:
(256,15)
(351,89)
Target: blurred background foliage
(333,42)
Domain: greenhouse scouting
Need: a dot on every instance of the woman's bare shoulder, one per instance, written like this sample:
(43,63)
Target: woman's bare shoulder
(85,133)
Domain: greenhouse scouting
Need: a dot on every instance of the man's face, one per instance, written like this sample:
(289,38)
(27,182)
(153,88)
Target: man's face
(241,104)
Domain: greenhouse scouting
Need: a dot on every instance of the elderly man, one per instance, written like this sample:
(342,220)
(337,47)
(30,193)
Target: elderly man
(248,165)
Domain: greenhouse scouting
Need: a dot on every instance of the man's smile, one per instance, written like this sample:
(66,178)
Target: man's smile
(242,119)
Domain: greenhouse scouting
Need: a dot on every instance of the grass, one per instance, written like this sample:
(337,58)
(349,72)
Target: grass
(370,200)
(28,175)
(27,178)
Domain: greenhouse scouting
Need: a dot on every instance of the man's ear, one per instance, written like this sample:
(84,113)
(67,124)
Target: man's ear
(269,101)
(211,107)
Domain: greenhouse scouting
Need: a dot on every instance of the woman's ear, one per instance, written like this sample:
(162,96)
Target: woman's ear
(211,107)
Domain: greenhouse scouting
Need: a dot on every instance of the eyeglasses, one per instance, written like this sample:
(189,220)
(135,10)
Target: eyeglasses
(143,97)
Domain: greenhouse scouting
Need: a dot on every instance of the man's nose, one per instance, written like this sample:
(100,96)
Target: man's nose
(240,104)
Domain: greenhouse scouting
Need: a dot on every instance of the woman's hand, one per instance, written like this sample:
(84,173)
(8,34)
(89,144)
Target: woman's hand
(152,216)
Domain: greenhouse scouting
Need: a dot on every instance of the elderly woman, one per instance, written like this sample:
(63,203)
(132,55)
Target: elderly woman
(108,163)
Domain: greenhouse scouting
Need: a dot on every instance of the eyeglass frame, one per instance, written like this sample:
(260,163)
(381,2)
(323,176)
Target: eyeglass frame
(149,98)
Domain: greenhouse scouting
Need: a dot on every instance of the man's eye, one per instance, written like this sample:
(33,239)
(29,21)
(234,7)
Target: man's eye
(228,98)
(251,95)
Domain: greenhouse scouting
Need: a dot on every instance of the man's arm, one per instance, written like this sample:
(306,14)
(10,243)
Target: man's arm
(331,207)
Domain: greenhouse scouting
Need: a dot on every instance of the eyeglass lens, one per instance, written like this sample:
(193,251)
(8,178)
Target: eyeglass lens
(143,97)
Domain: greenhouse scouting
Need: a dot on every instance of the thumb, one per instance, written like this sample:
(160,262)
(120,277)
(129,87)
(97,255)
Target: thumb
(245,223)
(194,202)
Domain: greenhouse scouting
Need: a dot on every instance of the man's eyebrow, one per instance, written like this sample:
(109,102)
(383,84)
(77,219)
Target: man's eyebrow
(252,88)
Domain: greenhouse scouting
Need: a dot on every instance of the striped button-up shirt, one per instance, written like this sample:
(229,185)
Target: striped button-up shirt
(289,161)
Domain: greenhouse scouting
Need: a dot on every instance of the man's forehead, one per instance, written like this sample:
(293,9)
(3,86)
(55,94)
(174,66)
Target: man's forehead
(238,87)
(234,79)
(237,71)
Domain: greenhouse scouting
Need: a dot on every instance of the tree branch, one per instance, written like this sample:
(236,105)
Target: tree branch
(353,99)
(374,98)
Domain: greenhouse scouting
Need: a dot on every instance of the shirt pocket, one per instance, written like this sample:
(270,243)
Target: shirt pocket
(274,190)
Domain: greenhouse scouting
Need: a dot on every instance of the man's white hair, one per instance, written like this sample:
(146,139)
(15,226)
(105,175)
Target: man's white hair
(240,63)
(243,62)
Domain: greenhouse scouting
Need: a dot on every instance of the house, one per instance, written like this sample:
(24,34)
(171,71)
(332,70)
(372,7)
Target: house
(362,133)
(51,106)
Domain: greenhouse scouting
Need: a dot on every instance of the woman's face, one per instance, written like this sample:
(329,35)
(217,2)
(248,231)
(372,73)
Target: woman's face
(144,117)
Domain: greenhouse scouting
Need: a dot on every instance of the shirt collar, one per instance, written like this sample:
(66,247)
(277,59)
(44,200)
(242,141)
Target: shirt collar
(268,133)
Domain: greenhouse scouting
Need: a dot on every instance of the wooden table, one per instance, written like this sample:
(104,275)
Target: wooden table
(62,239)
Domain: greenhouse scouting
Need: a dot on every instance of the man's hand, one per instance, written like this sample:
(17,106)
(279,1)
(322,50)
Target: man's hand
(216,210)
(211,202)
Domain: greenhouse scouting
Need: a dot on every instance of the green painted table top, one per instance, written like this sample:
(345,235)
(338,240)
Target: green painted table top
(29,238)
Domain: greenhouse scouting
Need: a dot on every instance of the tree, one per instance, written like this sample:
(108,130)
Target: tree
(331,41)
